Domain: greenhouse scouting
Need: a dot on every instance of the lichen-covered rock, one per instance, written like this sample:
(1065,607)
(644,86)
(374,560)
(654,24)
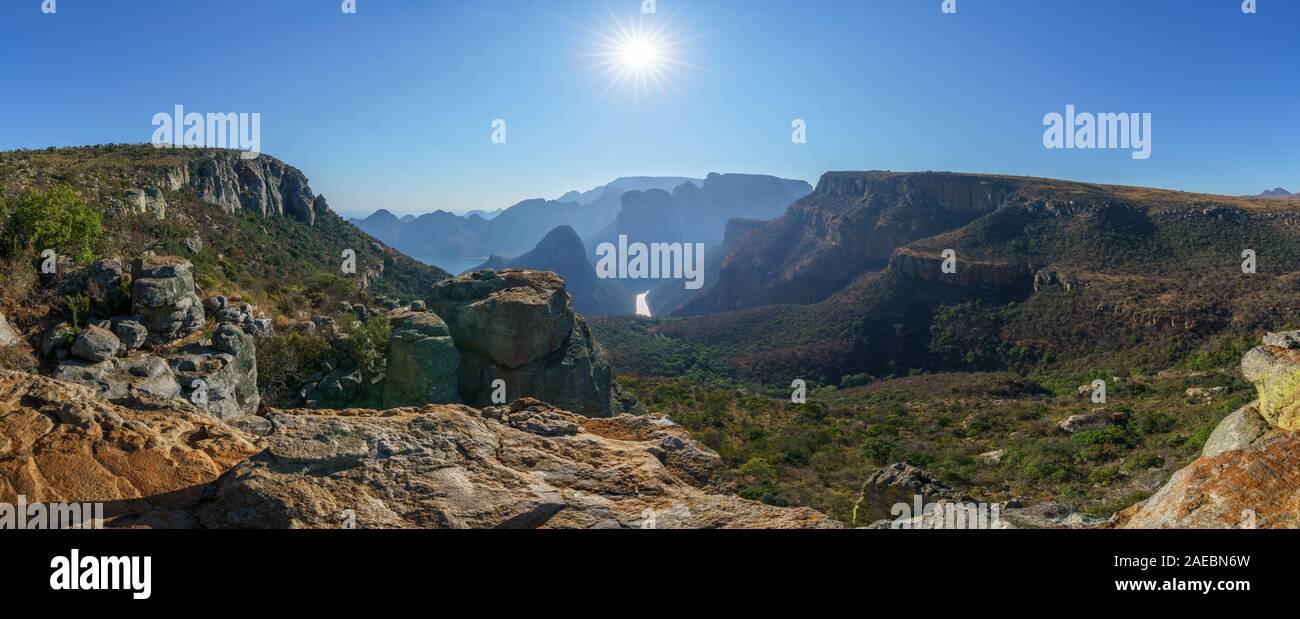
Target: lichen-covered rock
(421,362)
(512,317)
(1238,430)
(95,344)
(1253,487)
(1276,374)
(898,483)
(220,379)
(117,379)
(519,327)
(130,333)
(59,443)
(164,298)
(450,466)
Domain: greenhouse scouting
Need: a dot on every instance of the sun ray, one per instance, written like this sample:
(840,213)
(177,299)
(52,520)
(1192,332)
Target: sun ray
(639,57)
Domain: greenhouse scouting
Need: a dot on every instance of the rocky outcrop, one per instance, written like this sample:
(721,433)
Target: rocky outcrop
(1250,467)
(95,344)
(898,483)
(220,378)
(1238,430)
(109,288)
(8,335)
(1276,373)
(522,466)
(519,327)
(929,268)
(147,200)
(264,185)
(59,443)
(561,252)
(421,362)
(1243,488)
(119,379)
(164,298)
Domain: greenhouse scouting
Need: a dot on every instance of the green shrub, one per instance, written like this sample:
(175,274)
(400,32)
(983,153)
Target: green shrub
(78,307)
(368,344)
(57,219)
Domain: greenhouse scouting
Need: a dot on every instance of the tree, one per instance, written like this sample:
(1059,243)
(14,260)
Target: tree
(57,219)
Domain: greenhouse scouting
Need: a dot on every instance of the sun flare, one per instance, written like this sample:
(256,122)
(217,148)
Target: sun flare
(640,57)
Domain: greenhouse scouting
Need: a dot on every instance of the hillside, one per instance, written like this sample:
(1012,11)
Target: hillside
(1050,274)
(252,229)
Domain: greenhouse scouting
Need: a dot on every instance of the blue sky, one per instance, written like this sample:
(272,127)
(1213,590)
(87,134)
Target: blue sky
(392,107)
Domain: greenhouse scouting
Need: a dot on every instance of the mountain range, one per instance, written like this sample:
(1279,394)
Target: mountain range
(850,279)
(642,207)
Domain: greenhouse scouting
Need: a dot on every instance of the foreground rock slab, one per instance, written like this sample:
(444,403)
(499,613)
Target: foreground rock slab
(1253,487)
(59,443)
(449,466)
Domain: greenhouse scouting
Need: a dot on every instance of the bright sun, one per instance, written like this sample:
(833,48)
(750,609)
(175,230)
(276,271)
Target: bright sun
(639,56)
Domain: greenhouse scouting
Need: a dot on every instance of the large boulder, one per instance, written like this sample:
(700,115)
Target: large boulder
(447,466)
(130,333)
(421,362)
(8,335)
(1238,430)
(519,327)
(59,443)
(1253,487)
(220,379)
(121,378)
(95,344)
(164,298)
(1250,466)
(108,287)
(898,483)
(511,317)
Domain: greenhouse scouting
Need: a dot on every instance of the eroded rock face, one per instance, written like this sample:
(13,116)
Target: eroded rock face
(164,298)
(117,379)
(421,363)
(59,443)
(448,466)
(1276,374)
(518,326)
(1253,487)
(1249,469)
(8,335)
(108,286)
(264,185)
(222,378)
(510,317)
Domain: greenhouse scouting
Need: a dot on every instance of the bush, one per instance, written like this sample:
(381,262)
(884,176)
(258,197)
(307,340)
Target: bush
(368,344)
(285,361)
(57,219)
